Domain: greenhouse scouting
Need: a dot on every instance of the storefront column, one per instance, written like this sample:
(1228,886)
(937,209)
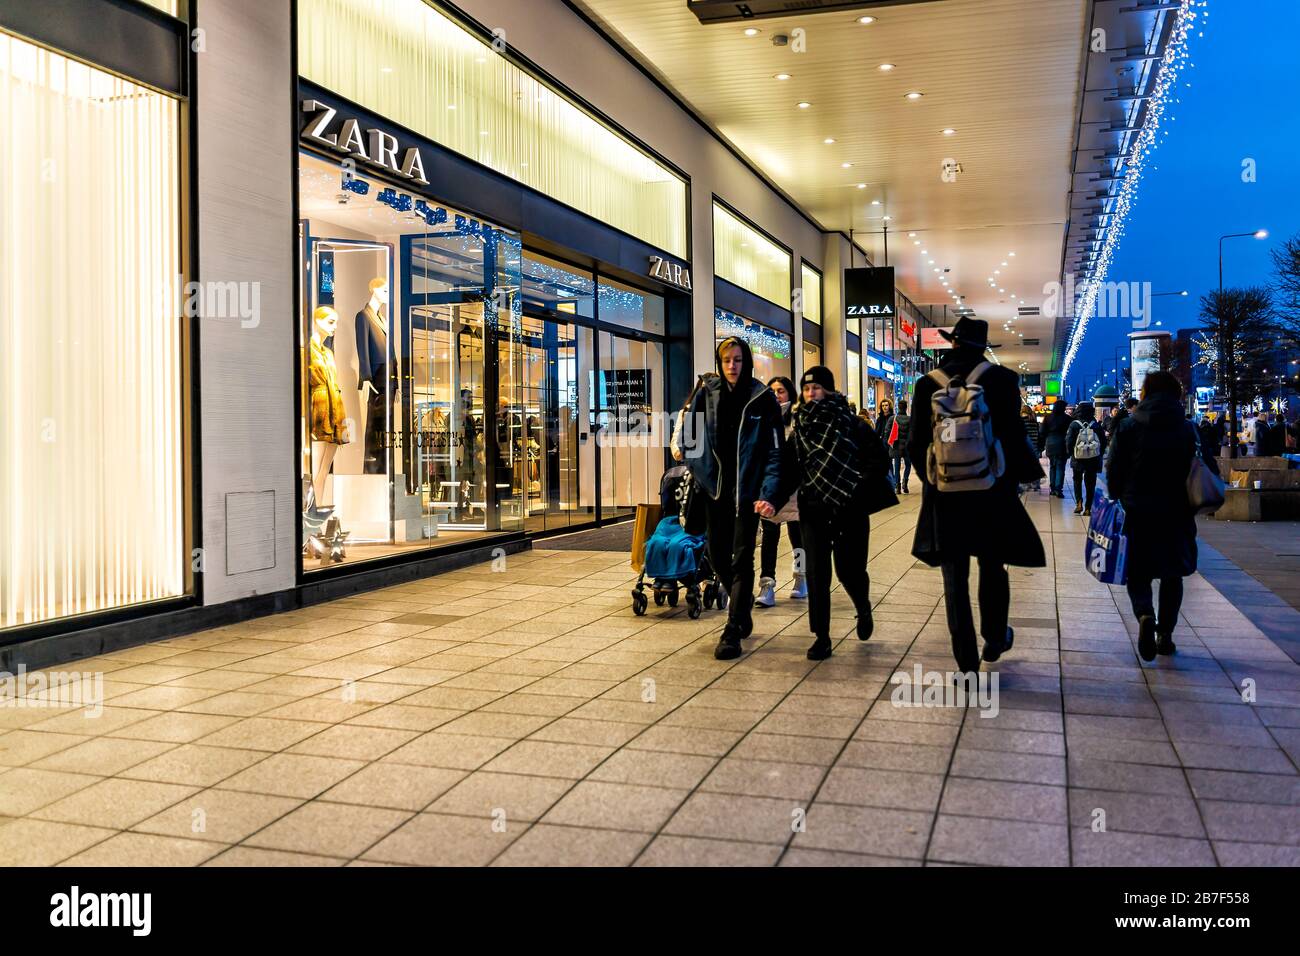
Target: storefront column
(248,450)
(834,351)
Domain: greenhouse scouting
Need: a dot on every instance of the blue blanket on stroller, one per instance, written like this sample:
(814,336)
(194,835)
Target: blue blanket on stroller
(671,553)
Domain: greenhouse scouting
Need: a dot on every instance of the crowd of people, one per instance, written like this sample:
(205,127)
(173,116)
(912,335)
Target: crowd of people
(774,455)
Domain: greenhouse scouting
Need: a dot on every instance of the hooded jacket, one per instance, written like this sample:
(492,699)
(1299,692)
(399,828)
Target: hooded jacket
(1051,436)
(760,437)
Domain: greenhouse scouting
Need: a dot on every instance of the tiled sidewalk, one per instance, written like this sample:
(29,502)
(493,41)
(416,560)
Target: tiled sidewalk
(527,717)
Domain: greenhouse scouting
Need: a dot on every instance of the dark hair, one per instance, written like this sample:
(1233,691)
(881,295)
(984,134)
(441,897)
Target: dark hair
(902,405)
(1130,403)
(788,385)
(1162,383)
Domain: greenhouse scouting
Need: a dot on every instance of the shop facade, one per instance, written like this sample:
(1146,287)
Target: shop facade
(359,328)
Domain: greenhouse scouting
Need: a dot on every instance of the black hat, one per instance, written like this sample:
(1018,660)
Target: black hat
(818,375)
(970,332)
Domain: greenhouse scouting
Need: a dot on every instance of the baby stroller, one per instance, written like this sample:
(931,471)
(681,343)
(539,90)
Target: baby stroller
(675,559)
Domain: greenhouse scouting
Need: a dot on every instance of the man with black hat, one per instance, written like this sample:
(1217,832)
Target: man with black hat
(990,525)
(739,441)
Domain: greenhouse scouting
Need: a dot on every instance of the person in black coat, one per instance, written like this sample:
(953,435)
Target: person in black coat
(1051,442)
(1085,469)
(898,450)
(842,472)
(1208,437)
(1147,471)
(991,526)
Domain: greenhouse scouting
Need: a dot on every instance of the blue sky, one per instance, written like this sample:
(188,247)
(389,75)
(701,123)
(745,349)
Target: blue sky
(1242,103)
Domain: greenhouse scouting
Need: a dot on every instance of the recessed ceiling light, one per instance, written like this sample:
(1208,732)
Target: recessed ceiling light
(885,67)
(862,185)
(931,262)
(875,202)
(913,95)
(886,218)
(1004,263)
(997,272)
(916,242)
(828,140)
(949,131)
(451,106)
(911,235)
(1011,253)
(924,253)
(782,76)
(385,69)
(804,106)
(846,165)
(866,20)
(751,31)
(936,270)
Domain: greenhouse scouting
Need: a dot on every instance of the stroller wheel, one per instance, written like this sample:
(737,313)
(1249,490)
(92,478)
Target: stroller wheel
(659,599)
(638,603)
(672,597)
(694,610)
(710,595)
(722,599)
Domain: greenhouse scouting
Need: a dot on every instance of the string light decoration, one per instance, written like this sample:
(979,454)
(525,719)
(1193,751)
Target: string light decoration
(1171,65)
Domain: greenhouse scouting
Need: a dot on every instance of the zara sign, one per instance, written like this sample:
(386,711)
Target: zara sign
(670,272)
(376,148)
(869,292)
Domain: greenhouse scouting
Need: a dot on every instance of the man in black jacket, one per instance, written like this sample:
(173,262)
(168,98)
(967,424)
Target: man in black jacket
(991,525)
(738,444)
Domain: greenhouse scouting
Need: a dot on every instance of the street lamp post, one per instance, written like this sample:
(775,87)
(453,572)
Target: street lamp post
(1257,234)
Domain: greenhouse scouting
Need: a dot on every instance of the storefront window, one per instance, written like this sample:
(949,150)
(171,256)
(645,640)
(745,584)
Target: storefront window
(92,488)
(407,61)
(771,349)
(812,355)
(812,294)
(745,257)
(624,393)
(552,286)
(631,308)
(414,369)
(854,390)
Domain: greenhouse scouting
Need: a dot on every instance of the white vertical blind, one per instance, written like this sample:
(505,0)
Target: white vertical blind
(90,340)
(408,62)
(745,257)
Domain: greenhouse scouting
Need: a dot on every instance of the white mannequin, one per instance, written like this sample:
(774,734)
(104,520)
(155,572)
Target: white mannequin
(324,322)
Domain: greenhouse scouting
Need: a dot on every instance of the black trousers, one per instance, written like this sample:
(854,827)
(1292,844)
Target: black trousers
(995,605)
(771,540)
(842,539)
(1085,478)
(730,539)
(1171,600)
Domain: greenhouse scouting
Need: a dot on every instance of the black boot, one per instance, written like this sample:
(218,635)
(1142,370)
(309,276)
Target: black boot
(992,653)
(821,648)
(866,625)
(728,648)
(1078,508)
(1147,637)
(1165,644)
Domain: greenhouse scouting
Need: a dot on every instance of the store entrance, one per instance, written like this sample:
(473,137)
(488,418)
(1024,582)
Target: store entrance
(629,438)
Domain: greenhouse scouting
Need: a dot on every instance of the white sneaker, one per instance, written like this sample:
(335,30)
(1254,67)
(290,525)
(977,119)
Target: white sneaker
(766,592)
(800,587)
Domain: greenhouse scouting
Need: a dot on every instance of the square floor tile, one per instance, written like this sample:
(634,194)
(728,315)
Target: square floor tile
(329,829)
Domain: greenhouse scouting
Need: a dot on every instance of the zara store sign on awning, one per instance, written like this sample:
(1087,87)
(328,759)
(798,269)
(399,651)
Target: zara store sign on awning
(375,147)
(869,292)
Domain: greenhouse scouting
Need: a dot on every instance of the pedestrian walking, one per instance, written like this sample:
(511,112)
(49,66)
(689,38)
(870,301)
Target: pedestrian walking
(1147,471)
(1086,440)
(1030,421)
(784,391)
(972,457)
(1260,437)
(1051,440)
(736,461)
(1208,437)
(842,472)
(884,427)
(898,448)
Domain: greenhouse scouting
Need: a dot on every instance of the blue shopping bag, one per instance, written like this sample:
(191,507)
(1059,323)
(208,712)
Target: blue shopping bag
(1105,551)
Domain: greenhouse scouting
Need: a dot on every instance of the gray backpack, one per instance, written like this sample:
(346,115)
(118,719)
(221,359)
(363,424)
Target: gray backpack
(964,455)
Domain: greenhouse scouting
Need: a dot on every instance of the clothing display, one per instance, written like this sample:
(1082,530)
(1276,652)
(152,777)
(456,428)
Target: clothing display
(328,418)
(372,369)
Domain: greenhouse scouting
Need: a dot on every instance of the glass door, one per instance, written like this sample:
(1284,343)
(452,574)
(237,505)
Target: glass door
(628,391)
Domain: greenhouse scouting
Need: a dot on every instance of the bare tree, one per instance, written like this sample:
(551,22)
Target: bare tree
(1240,323)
